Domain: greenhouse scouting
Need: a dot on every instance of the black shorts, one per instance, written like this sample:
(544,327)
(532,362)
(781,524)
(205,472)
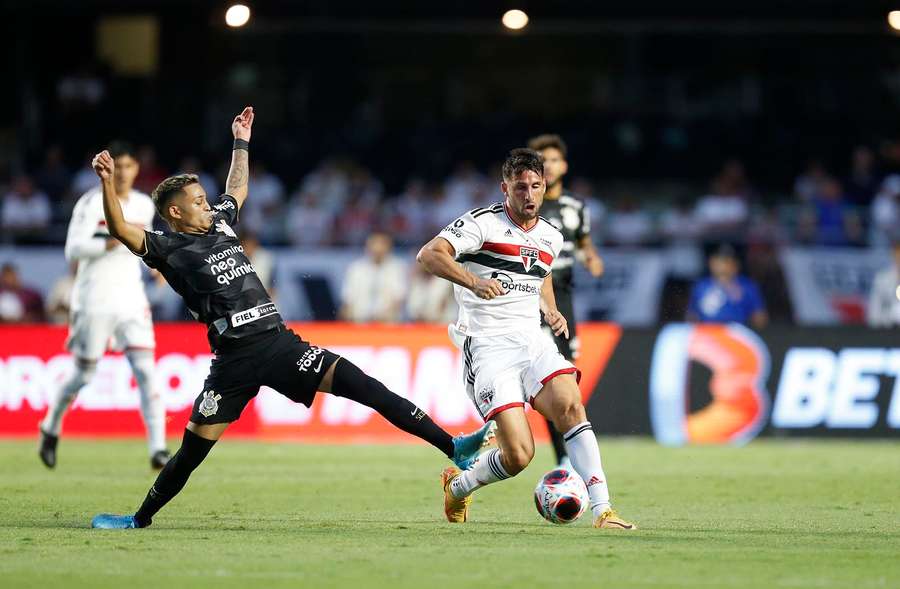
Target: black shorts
(277,358)
(567,347)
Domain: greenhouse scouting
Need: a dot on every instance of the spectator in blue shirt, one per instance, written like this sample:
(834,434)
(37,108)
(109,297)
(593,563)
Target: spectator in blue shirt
(726,296)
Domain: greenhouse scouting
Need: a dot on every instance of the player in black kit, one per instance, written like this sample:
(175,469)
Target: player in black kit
(203,260)
(570,216)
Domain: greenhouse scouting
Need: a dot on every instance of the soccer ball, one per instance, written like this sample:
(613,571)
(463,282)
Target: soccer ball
(560,496)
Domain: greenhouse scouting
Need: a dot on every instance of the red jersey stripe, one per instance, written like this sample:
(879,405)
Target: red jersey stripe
(511,249)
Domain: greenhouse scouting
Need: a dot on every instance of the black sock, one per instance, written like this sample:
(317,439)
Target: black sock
(173,476)
(352,383)
(559,444)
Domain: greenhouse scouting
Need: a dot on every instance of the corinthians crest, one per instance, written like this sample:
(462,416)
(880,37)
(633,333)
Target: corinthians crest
(223,227)
(210,403)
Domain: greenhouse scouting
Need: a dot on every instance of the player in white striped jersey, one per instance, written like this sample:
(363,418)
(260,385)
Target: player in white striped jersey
(109,309)
(500,260)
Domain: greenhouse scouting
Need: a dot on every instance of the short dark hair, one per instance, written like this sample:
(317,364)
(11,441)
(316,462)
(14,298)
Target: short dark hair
(521,160)
(542,142)
(120,148)
(724,250)
(169,188)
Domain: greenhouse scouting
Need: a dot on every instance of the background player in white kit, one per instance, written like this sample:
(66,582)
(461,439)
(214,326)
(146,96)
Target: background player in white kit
(109,309)
(499,260)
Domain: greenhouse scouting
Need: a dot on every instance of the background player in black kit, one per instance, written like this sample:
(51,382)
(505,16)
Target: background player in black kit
(203,260)
(570,216)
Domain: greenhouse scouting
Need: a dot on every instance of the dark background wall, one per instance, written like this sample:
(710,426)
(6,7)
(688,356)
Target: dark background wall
(649,90)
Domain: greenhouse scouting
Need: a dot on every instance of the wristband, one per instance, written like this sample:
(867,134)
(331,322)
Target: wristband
(241,144)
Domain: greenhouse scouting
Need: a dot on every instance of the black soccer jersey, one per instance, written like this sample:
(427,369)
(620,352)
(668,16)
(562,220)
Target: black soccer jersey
(570,216)
(214,277)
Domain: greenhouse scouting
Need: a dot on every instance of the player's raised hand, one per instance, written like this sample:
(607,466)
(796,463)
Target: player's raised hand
(104,165)
(557,322)
(242,124)
(487,288)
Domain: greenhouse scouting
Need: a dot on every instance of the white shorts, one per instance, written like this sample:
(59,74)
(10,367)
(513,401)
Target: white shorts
(507,371)
(92,334)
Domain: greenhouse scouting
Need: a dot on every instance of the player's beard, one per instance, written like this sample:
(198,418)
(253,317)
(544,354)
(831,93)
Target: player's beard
(527,214)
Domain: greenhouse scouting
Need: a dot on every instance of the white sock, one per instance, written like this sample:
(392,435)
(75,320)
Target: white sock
(153,409)
(583,450)
(84,372)
(487,470)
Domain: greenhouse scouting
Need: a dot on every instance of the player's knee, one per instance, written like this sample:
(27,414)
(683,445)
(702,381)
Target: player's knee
(517,458)
(84,369)
(569,413)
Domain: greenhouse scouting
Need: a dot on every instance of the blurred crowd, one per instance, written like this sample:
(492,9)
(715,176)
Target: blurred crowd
(340,203)
(380,286)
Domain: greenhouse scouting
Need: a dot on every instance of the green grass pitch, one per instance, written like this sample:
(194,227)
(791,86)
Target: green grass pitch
(260,515)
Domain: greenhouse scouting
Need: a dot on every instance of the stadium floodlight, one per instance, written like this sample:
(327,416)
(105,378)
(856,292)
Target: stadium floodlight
(894,19)
(515,19)
(237,15)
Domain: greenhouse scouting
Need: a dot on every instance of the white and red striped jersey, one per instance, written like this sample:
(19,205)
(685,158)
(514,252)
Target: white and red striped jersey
(489,244)
(107,281)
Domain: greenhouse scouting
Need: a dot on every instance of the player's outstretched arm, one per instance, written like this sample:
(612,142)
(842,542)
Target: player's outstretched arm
(239,173)
(130,235)
(552,316)
(437,257)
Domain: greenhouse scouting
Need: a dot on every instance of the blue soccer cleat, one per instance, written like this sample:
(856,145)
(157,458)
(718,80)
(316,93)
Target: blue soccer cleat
(108,521)
(467,447)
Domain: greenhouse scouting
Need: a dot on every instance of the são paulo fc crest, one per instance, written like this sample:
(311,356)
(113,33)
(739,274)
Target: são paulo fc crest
(486,395)
(210,403)
(529,256)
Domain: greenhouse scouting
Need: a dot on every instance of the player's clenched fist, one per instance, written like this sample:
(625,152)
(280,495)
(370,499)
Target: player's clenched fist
(103,165)
(487,288)
(595,266)
(242,124)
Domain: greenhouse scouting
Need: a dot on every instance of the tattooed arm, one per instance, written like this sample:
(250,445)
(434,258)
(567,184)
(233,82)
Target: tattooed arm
(239,174)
